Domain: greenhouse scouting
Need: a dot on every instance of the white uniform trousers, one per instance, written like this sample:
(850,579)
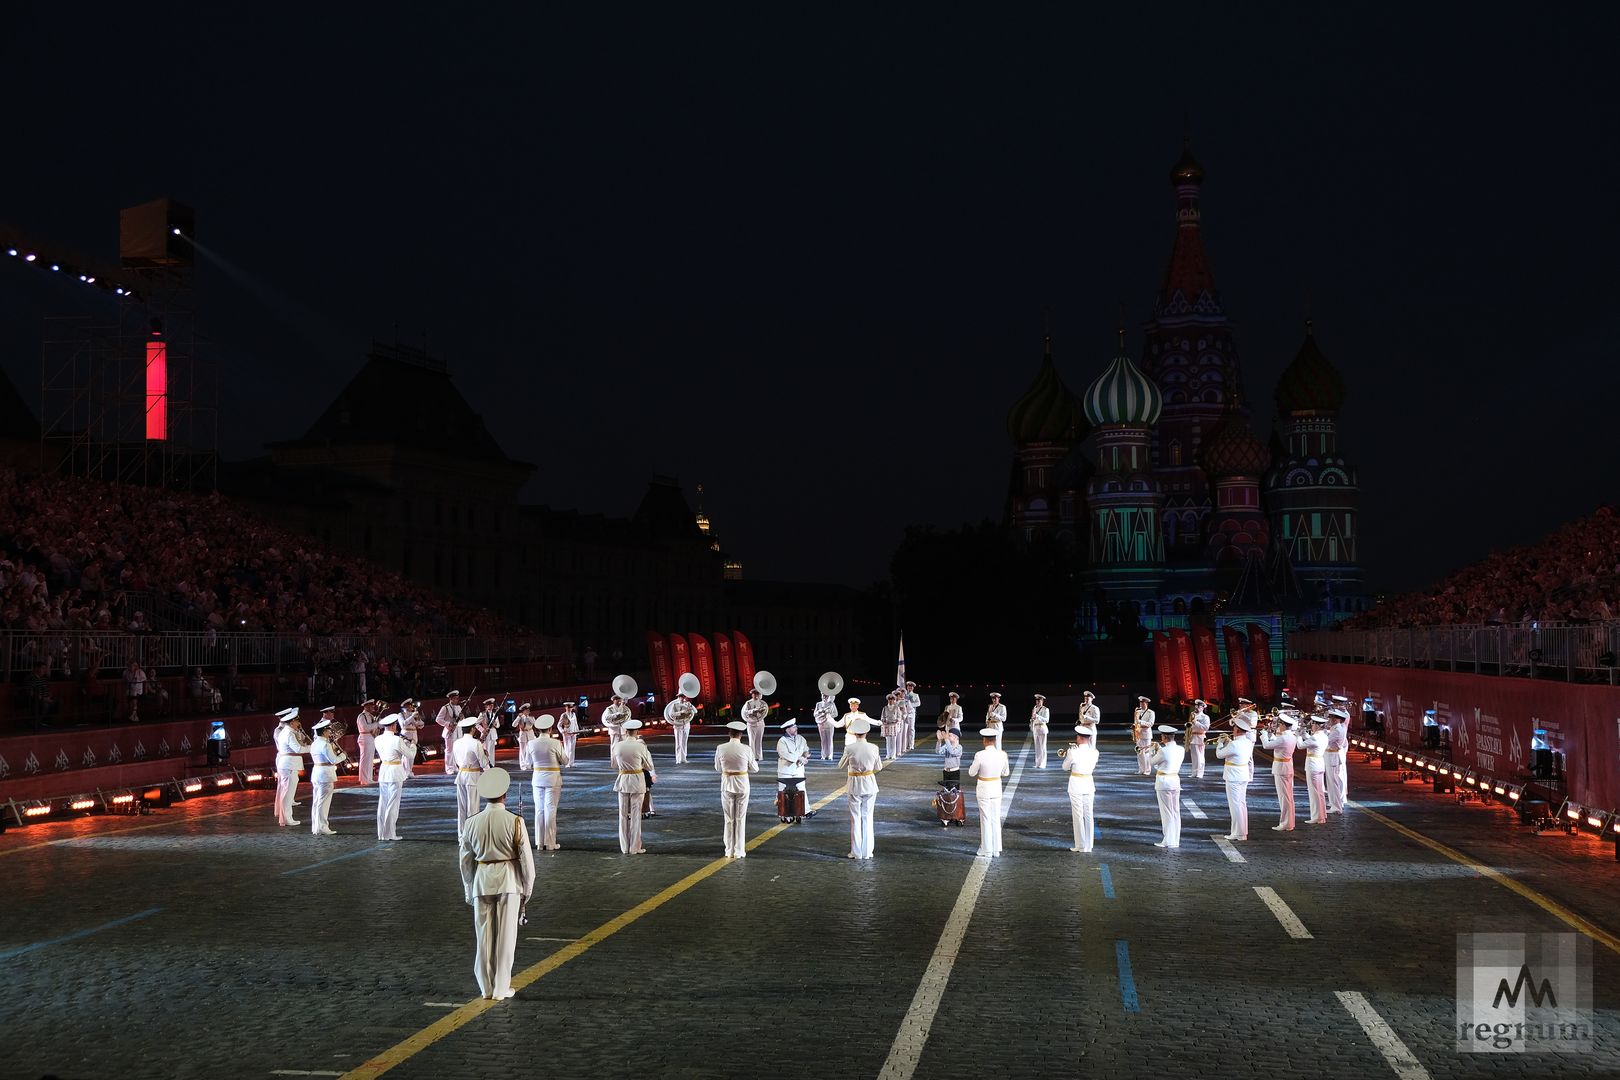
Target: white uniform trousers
(1316,784)
(861,840)
(756,738)
(286,787)
(495,921)
(449,763)
(1080,808)
(368,749)
(1337,789)
(734,804)
(407,753)
(466,798)
(1169,790)
(1282,774)
(320,808)
(568,742)
(826,729)
(990,824)
(1144,757)
(1039,731)
(1237,805)
(682,732)
(1195,754)
(630,821)
(999,729)
(388,811)
(911,734)
(545,815)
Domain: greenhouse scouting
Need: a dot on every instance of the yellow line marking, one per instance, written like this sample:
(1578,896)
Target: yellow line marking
(403,1051)
(256,805)
(1546,903)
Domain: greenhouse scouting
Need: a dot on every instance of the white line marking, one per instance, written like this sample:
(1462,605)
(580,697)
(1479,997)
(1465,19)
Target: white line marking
(303,1072)
(550,939)
(1382,1035)
(1227,849)
(1285,914)
(442,1004)
(908,1044)
(1192,808)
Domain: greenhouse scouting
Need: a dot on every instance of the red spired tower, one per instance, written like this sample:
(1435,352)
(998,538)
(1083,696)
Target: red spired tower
(1190,354)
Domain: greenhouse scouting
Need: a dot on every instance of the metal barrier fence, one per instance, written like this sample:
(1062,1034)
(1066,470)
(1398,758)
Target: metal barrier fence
(1576,652)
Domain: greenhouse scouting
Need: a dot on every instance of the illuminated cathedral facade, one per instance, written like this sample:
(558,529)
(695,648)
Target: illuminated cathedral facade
(1154,479)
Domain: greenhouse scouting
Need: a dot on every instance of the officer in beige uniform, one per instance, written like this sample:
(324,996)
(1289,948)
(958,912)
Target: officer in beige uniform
(1281,740)
(497,874)
(734,760)
(632,766)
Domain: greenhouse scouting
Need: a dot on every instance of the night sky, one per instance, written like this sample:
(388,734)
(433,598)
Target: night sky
(805,259)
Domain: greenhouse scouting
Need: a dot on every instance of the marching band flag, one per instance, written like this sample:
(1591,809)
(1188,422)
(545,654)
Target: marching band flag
(900,665)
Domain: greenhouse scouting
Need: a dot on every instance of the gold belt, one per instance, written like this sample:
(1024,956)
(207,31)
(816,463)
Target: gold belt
(730,773)
(1163,773)
(392,761)
(1340,750)
(988,779)
(631,772)
(470,770)
(548,768)
(1282,760)
(1075,772)
(865,772)
(1313,755)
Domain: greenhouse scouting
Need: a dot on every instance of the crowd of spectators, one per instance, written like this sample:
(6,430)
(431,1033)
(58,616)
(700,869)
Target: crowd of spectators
(73,553)
(1572,576)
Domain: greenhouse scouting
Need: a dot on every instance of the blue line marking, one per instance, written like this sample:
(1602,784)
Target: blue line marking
(1127,985)
(77,934)
(335,858)
(1107,881)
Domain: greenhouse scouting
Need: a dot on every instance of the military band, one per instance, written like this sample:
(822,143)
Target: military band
(1039,719)
(1280,740)
(1166,762)
(1197,731)
(754,712)
(1080,762)
(545,758)
(324,758)
(826,717)
(996,717)
(734,760)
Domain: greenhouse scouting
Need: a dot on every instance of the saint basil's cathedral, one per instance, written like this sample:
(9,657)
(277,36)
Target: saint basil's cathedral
(1154,480)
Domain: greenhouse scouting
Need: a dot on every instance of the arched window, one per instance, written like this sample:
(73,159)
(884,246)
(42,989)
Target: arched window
(1175,451)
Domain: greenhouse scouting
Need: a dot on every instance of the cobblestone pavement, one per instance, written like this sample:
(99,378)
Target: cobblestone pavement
(204,941)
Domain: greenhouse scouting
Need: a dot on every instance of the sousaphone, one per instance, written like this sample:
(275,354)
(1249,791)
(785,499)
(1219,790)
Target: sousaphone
(830,683)
(625,687)
(765,683)
(689,685)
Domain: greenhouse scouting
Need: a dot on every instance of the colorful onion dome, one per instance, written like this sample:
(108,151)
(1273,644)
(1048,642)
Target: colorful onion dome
(1232,449)
(1047,411)
(1123,395)
(1310,383)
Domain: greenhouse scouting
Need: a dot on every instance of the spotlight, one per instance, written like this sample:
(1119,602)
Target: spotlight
(91,280)
(193,786)
(175,230)
(82,803)
(56,266)
(1594,820)
(156,795)
(30,257)
(252,777)
(1500,790)
(1572,812)
(224,781)
(37,811)
(12,252)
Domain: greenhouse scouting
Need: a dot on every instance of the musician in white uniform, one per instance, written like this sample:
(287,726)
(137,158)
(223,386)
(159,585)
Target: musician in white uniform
(324,757)
(568,729)
(1338,769)
(390,775)
(489,720)
(1315,747)
(1236,756)
(449,721)
(996,716)
(792,755)
(1080,762)
(497,873)
(543,756)
(1039,719)
(861,763)
(754,712)
(523,727)
(1142,724)
(734,760)
(632,766)
(950,719)
(468,754)
(910,702)
(1166,762)
(678,714)
(1197,731)
(848,720)
(1090,715)
(1281,739)
(613,718)
(366,729)
(291,746)
(826,714)
(889,722)
(989,766)
(410,730)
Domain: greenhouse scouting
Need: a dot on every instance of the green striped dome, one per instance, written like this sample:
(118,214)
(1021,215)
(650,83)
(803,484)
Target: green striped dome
(1123,395)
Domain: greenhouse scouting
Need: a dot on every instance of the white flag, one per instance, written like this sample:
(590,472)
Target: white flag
(900,665)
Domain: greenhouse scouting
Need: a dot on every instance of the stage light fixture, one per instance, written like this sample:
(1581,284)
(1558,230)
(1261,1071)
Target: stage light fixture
(193,786)
(30,257)
(124,799)
(1572,811)
(82,803)
(91,280)
(1595,820)
(37,811)
(12,252)
(1514,793)
(56,266)
(252,778)
(224,781)
(175,230)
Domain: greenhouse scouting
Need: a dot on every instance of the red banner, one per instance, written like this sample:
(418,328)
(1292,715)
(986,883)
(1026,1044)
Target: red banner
(1162,668)
(1209,664)
(1181,661)
(745,659)
(1265,682)
(725,668)
(1237,664)
(703,666)
(658,660)
(680,657)
(1491,718)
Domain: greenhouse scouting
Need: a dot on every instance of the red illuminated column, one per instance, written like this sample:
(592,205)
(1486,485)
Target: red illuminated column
(157,388)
